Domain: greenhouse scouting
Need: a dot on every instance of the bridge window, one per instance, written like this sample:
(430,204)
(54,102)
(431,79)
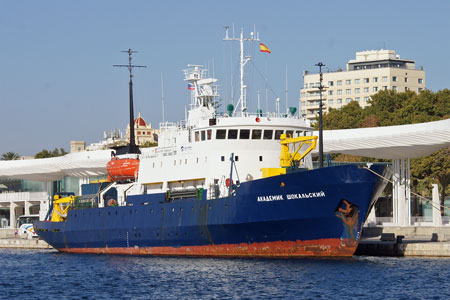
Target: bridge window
(197,136)
(221,134)
(278,134)
(209,134)
(203,135)
(256,134)
(232,134)
(268,134)
(289,133)
(244,134)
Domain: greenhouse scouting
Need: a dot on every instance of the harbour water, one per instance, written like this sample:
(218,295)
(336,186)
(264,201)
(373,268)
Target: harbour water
(47,274)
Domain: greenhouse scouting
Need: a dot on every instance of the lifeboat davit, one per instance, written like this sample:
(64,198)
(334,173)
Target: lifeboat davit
(123,169)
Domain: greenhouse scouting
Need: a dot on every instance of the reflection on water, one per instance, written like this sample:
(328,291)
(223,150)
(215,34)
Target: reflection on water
(43,274)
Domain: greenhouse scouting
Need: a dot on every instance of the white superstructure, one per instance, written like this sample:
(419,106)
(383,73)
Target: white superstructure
(196,153)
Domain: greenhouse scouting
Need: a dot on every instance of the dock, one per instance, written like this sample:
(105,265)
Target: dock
(18,243)
(405,241)
(9,239)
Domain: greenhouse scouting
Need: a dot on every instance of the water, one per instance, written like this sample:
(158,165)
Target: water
(44,274)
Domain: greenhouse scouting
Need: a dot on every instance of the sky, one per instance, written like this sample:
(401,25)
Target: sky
(58,84)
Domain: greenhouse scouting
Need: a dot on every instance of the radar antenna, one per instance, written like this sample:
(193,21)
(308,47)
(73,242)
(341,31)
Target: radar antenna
(132,145)
(254,36)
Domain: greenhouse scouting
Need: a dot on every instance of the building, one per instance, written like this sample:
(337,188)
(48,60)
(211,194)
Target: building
(143,131)
(364,76)
(77,146)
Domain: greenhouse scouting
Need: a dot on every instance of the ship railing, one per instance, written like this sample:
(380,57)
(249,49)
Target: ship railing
(172,125)
(85,201)
(261,115)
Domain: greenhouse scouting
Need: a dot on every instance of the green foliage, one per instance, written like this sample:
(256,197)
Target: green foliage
(388,108)
(46,154)
(148,144)
(10,156)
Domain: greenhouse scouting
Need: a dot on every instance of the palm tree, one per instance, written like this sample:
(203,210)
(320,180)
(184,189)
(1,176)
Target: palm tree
(10,156)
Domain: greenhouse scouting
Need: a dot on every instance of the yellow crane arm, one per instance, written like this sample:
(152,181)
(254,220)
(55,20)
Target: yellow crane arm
(288,159)
(60,207)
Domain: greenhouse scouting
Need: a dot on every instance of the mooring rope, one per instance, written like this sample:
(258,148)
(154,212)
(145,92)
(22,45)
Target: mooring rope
(427,200)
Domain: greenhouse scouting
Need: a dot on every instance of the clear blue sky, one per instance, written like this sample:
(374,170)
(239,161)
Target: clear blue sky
(57,82)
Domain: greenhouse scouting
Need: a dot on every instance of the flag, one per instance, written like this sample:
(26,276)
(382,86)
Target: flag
(263,48)
(191,86)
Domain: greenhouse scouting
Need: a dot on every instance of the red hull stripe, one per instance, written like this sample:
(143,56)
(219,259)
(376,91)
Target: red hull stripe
(279,249)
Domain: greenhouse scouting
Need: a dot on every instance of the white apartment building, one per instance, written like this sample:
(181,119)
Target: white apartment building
(364,76)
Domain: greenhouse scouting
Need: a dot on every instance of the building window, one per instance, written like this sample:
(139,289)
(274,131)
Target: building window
(375,89)
(366,90)
(330,93)
(385,79)
(221,134)
(384,87)
(420,89)
(357,81)
(348,81)
(375,79)
(339,82)
(348,91)
(394,78)
(420,80)
(348,100)
(406,79)
(357,99)
(394,88)
(232,134)
(357,90)
(339,101)
(330,83)
(330,101)
(366,80)
(339,92)
(366,99)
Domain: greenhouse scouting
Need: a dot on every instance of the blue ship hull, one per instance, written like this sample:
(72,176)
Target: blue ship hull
(312,213)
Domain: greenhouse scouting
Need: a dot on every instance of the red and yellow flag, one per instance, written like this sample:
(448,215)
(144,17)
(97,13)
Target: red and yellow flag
(263,48)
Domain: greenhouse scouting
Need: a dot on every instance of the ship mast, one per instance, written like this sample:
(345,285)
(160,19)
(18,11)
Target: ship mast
(132,145)
(242,62)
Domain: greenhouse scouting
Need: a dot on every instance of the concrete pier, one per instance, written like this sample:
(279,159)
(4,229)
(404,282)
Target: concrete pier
(18,243)
(405,241)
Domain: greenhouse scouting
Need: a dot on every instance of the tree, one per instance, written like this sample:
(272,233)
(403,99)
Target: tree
(148,144)
(10,156)
(46,154)
(435,167)
(389,108)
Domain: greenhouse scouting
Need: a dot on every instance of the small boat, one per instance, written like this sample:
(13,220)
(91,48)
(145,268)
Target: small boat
(123,169)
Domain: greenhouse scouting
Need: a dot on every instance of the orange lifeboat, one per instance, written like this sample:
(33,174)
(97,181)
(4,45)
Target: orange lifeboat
(122,169)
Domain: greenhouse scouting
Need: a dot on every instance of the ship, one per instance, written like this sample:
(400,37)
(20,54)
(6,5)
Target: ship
(219,184)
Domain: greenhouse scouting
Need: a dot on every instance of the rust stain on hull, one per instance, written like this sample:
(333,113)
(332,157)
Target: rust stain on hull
(279,249)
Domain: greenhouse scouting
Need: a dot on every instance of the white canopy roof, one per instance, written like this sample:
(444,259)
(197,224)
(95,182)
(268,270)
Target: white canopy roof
(390,142)
(80,164)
